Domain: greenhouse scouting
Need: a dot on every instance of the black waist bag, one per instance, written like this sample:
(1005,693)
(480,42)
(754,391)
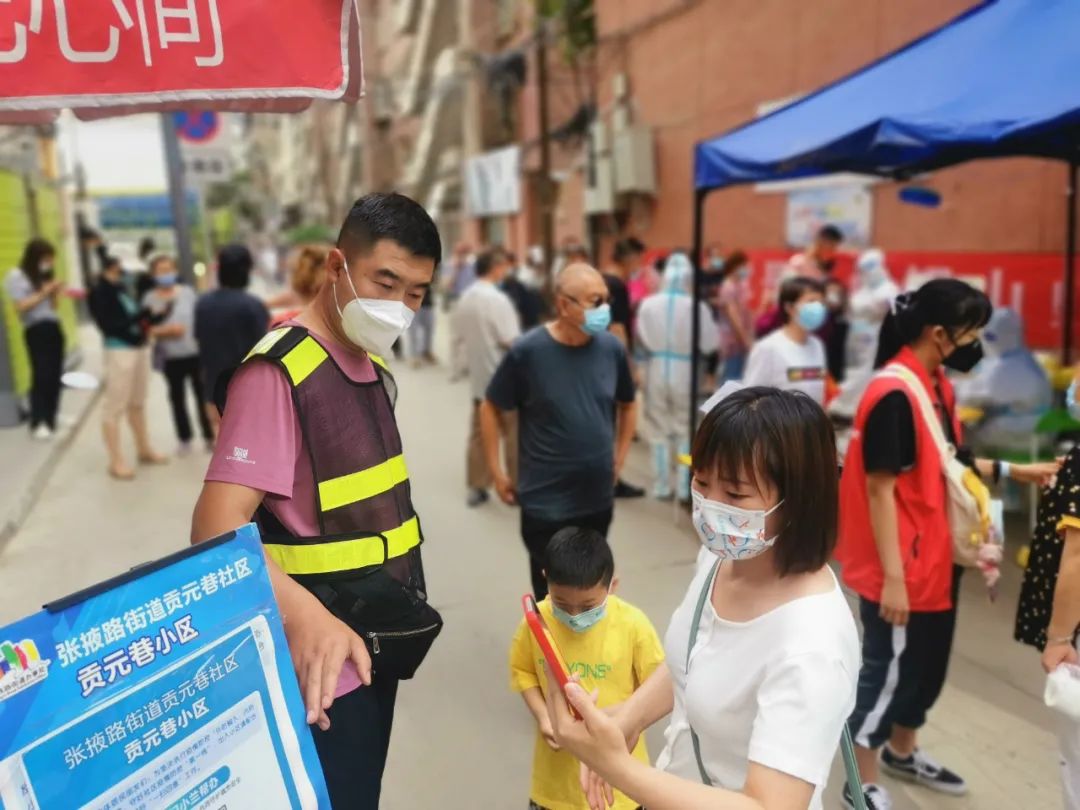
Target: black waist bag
(396,622)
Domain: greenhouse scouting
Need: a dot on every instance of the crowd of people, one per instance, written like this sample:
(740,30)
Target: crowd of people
(762,667)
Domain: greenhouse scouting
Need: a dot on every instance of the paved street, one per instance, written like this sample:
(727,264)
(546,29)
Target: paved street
(462,740)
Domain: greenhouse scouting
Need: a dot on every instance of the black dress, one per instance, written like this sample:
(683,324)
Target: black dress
(1062,503)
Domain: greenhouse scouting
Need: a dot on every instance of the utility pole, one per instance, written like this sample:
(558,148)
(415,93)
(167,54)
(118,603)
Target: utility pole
(175,170)
(546,189)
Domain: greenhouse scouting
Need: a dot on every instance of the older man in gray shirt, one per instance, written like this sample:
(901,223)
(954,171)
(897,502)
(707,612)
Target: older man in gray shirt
(571,386)
(486,324)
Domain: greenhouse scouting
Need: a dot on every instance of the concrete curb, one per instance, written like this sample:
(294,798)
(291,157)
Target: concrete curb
(40,476)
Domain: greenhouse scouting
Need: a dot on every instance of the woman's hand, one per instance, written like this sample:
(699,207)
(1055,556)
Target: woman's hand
(596,739)
(1040,474)
(894,601)
(1057,654)
(598,793)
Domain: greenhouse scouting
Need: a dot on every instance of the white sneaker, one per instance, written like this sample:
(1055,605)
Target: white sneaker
(42,433)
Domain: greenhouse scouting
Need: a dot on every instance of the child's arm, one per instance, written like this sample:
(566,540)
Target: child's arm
(523,679)
(534,699)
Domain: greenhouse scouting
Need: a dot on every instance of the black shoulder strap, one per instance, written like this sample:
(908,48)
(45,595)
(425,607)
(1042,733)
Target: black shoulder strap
(277,343)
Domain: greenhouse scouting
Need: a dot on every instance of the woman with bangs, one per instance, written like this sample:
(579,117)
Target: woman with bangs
(762,654)
(895,546)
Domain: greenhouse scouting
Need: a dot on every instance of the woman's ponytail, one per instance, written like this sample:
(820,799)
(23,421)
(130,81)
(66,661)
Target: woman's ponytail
(903,323)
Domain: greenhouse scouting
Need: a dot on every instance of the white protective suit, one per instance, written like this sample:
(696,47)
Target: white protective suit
(1008,385)
(867,308)
(663,329)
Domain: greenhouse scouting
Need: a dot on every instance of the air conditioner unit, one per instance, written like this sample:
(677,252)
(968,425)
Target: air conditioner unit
(599,188)
(634,156)
(600,197)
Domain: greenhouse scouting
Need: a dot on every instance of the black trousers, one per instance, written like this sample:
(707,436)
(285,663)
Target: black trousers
(352,751)
(537,532)
(903,669)
(177,372)
(45,344)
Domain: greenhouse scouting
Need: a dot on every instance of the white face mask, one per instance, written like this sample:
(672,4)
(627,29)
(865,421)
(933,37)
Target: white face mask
(729,532)
(373,324)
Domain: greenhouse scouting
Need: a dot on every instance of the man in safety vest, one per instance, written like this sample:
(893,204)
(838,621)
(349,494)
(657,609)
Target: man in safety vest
(309,447)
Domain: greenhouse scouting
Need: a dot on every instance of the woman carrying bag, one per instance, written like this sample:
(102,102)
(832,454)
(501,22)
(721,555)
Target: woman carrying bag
(901,502)
(762,654)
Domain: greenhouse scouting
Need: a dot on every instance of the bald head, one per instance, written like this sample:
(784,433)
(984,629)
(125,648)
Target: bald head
(576,274)
(578,287)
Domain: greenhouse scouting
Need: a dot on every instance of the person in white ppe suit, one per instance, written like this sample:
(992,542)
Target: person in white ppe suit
(1009,386)
(867,308)
(663,329)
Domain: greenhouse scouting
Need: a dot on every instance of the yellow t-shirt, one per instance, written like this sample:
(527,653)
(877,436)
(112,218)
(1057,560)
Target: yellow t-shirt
(615,656)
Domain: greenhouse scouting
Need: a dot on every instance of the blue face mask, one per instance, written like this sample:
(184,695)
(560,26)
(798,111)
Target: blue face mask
(597,320)
(1070,401)
(811,315)
(166,280)
(582,621)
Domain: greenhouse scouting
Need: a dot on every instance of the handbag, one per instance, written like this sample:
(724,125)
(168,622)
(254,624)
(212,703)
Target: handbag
(395,621)
(967,499)
(847,748)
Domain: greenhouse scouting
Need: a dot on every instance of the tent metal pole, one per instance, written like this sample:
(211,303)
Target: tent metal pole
(1070,262)
(695,317)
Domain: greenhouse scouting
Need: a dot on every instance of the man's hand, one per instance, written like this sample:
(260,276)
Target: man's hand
(320,644)
(1057,654)
(505,489)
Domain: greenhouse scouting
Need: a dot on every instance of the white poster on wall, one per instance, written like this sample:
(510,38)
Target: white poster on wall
(493,183)
(848,207)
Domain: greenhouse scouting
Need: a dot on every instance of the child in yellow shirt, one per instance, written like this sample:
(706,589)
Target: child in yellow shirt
(607,642)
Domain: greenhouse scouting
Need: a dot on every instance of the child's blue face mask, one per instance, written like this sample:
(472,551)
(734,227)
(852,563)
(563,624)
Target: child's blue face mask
(582,621)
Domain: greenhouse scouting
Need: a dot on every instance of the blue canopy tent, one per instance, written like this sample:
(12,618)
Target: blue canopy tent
(997,81)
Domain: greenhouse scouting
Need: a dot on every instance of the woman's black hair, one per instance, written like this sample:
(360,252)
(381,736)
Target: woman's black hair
(782,439)
(946,302)
(30,263)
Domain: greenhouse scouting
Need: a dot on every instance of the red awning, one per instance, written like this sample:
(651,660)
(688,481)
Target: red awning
(117,57)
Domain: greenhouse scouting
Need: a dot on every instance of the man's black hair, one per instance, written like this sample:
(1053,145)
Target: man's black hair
(489,258)
(579,558)
(830,233)
(627,247)
(234,266)
(389,216)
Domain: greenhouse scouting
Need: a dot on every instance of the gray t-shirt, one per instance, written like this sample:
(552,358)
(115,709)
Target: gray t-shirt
(565,397)
(18,287)
(183,313)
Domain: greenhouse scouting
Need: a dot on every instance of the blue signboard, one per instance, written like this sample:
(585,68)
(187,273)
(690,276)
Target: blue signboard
(141,211)
(170,687)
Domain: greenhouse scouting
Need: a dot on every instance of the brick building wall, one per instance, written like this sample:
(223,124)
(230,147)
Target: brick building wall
(697,68)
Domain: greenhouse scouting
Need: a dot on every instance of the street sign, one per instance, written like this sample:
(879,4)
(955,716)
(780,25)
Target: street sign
(197,127)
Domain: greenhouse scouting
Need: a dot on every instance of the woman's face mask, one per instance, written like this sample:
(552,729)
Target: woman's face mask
(964,356)
(729,532)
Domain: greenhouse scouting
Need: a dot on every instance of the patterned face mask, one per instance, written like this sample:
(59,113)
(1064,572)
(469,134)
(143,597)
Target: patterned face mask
(729,532)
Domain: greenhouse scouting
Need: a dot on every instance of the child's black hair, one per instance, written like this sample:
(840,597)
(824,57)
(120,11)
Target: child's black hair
(579,558)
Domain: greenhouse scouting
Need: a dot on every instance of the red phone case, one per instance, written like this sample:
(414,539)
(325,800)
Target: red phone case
(556,664)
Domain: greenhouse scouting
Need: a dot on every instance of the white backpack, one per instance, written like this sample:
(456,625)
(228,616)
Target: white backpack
(967,498)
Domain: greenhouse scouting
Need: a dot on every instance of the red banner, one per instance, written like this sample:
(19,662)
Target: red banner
(1031,283)
(123,53)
